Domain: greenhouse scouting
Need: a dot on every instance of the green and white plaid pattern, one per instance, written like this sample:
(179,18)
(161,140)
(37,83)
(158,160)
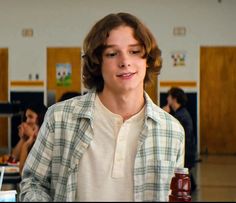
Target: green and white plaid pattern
(51,169)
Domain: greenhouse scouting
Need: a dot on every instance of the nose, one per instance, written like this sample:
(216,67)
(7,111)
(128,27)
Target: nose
(123,65)
(124,61)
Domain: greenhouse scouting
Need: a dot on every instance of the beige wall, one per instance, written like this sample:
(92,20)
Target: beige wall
(65,23)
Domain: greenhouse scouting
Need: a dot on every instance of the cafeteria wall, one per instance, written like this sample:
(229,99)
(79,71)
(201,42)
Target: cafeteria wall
(64,23)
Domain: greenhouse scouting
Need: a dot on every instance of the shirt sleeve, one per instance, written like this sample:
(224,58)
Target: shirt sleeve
(36,175)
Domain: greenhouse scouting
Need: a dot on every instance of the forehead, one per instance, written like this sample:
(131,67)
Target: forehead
(122,34)
(29,112)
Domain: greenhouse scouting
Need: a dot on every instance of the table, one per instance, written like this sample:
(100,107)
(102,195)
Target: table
(10,179)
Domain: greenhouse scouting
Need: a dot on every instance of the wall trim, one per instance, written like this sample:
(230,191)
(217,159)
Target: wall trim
(26,83)
(178,84)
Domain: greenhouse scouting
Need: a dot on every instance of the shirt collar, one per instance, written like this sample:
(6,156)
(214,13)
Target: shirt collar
(151,110)
(84,106)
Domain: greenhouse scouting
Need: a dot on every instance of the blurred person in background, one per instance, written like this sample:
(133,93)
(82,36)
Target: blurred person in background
(27,131)
(176,106)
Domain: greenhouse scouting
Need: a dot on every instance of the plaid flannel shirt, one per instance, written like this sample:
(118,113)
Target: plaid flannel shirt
(50,171)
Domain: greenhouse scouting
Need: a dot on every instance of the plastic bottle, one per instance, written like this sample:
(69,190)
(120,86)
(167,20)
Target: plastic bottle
(180,186)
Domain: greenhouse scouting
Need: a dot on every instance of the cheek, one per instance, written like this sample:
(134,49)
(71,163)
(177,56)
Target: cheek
(143,63)
(107,69)
(30,120)
(169,100)
(103,70)
(143,67)
(35,120)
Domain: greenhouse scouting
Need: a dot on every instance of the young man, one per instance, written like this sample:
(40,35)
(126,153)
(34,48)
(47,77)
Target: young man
(114,143)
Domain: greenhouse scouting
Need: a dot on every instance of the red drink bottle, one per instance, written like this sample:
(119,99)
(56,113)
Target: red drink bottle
(180,186)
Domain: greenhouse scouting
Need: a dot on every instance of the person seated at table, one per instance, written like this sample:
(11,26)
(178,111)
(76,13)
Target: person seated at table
(27,131)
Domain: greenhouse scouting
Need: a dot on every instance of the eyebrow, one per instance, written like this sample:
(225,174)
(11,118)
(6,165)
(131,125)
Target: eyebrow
(113,45)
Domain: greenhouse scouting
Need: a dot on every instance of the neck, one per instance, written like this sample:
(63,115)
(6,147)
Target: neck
(125,105)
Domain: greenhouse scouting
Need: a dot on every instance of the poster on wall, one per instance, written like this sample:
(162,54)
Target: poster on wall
(63,74)
(178,58)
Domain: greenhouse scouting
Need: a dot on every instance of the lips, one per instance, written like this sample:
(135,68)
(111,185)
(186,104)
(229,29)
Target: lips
(125,75)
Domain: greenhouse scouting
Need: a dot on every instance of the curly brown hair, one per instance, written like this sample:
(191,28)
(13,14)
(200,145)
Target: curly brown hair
(94,45)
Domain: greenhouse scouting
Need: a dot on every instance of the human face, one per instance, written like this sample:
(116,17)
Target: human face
(31,117)
(123,66)
(170,101)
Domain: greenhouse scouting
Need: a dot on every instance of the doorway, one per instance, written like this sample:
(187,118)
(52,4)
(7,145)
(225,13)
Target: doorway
(3,96)
(151,88)
(63,72)
(217,100)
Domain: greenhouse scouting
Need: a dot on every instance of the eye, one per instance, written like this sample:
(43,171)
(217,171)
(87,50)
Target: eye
(111,54)
(135,52)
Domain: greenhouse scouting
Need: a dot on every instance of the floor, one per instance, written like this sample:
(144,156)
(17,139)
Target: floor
(216,179)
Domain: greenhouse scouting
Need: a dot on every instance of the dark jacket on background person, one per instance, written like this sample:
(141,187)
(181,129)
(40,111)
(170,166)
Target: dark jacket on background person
(185,119)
